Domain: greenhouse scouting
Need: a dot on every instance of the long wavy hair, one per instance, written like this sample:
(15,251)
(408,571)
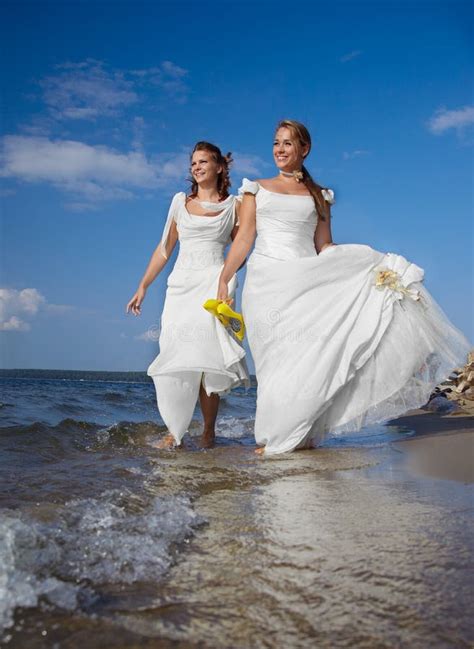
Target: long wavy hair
(223,178)
(302,137)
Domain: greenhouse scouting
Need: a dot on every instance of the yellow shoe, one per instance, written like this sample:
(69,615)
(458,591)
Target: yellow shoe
(211,306)
(229,318)
(235,320)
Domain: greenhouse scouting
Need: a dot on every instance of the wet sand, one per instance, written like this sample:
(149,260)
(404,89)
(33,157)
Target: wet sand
(334,547)
(443,446)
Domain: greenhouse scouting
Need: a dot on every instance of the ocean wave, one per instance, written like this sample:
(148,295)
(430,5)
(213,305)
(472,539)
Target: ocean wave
(80,434)
(113,397)
(117,538)
(125,433)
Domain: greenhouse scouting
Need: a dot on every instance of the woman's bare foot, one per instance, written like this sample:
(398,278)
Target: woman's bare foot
(168,441)
(260,451)
(208,439)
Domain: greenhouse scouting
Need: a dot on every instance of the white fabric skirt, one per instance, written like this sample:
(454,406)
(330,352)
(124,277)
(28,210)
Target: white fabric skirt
(195,348)
(333,352)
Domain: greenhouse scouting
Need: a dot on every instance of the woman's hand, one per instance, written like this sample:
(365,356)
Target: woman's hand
(222,291)
(135,303)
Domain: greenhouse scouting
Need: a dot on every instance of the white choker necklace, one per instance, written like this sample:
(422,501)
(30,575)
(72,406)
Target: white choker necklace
(297,174)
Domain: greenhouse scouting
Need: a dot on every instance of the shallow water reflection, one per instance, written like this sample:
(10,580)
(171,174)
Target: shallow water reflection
(318,554)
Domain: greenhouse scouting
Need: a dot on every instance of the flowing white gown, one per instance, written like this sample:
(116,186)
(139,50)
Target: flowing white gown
(194,345)
(333,352)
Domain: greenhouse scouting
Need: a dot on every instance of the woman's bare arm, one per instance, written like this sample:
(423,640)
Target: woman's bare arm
(235,229)
(241,245)
(322,235)
(158,260)
(154,268)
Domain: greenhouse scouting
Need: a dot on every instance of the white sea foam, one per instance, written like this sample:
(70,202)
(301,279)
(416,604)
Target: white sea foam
(234,427)
(112,539)
(25,558)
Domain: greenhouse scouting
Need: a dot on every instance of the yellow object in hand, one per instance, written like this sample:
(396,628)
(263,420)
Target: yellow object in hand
(211,306)
(236,320)
(227,316)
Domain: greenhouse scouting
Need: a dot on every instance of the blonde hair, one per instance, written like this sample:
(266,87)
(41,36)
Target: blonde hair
(302,137)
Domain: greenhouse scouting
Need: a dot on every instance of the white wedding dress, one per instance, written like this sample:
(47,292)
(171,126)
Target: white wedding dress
(194,345)
(333,352)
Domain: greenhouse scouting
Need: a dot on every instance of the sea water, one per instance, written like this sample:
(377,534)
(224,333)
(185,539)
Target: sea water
(102,534)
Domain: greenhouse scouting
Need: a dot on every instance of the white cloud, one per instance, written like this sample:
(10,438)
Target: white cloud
(444,120)
(15,305)
(350,56)
(86,90)
(357,153)
(144,336)
(95,173)
(19,306)
(247,164)
(14,324)
(90,89)
(65,161)
(172,166)
(168,76)
(173,70)
(151,335)
(95,192)
(38,125)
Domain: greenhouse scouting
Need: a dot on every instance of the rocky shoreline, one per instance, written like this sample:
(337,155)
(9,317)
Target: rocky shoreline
(456,394)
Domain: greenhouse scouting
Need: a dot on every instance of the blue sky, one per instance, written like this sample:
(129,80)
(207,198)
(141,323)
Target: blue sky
(102,103)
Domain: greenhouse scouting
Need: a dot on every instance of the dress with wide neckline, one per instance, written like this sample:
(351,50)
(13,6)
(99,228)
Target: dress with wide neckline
(221,205)
(194,348)
(325,331)
(281,194)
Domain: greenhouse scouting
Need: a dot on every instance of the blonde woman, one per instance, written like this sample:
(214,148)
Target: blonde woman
(198,357)
(342,335)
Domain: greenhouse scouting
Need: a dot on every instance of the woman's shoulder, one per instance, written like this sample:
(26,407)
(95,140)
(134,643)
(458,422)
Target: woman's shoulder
(179,196)
(178,200)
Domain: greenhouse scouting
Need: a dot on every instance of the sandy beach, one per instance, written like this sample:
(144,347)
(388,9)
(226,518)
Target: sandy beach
(443,446)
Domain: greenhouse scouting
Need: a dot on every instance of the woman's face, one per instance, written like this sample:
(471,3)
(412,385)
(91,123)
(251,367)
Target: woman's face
(286,153)
(204,168)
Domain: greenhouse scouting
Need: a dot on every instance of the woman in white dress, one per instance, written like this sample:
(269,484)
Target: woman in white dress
(198,358)
(342,335)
